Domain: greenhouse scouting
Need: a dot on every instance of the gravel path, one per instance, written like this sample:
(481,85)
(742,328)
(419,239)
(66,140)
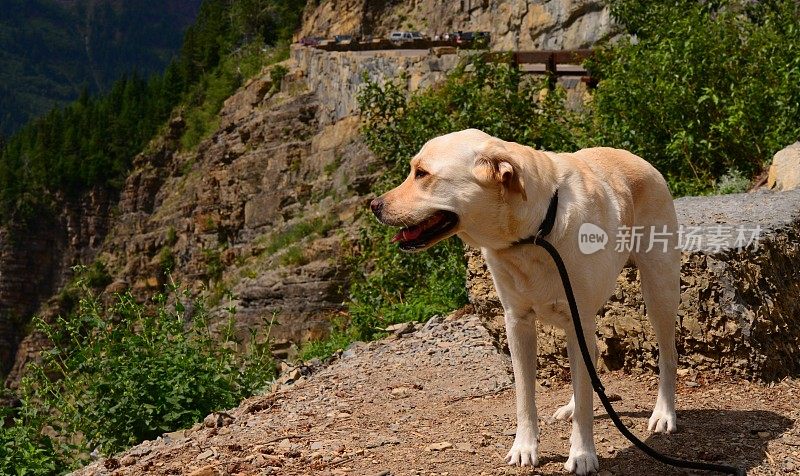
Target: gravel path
(438,400)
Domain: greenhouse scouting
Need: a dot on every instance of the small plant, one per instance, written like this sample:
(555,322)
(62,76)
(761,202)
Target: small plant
(166,260)
(276,75)
(213,261)
(732,182)
(316,227)
(97,275)
(293,256)
(172,236)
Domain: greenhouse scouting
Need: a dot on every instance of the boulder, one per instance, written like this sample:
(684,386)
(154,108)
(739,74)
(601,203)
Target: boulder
(784,173)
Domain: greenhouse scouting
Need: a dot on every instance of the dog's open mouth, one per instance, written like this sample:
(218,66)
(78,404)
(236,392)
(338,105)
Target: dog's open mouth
(434,228)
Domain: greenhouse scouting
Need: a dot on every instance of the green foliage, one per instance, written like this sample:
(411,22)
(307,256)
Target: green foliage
(318,226)
(120,374)
(166,260)
(293,256)
(338,339)
(707,87)
(25,449)
(732,182)
(97,276)
(276,75)
(212,257)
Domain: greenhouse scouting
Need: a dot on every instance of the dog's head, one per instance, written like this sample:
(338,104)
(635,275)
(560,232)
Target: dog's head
(467,183)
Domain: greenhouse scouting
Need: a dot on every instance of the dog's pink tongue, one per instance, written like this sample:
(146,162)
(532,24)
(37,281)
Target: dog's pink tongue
(408,234)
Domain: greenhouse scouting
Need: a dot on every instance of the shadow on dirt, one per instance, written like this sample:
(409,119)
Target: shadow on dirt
(730,437)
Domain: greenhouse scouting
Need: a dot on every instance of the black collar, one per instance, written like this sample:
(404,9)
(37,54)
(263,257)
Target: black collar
(547,224)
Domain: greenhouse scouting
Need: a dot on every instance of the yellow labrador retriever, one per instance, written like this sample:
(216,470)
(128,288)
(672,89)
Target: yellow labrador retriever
(492,193)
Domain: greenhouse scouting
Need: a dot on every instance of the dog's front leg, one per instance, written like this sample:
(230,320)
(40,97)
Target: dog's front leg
(521,332)
(582,453)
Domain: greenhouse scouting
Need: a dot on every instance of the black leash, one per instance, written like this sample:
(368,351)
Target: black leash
(538,239)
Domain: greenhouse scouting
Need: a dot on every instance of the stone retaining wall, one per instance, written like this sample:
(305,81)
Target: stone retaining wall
(739,311)
(335,77)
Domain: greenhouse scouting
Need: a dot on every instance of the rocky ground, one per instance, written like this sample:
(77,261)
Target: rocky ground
(437,399)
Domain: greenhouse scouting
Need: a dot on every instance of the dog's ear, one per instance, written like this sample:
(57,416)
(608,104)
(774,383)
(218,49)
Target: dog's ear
(495,164)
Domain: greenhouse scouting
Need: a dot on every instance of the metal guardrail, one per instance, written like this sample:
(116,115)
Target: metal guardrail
(551,59)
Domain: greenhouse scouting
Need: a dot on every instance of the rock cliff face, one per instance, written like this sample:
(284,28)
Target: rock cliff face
(257,211)
(739,308)
(336,77)
(35,262)
(515,24)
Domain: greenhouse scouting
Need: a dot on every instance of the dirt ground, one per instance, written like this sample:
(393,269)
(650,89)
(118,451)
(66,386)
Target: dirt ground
(439,400)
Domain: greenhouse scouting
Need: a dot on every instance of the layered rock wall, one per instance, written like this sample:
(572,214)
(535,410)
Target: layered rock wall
(740,308)
(36,261)
(336,77)
(514,24)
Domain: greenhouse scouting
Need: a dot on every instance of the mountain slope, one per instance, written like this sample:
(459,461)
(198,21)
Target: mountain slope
(50,51)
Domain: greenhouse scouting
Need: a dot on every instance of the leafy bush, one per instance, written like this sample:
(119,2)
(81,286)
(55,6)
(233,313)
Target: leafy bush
(704,88)
(24,449)
(126,372)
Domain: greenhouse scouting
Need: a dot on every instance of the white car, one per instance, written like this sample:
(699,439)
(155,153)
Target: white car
(400,36)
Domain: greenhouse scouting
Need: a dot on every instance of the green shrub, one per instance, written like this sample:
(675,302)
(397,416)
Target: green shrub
(127,372)
(24,449)
(293,256)
(732,182)
(97,276)
(166,260)
(707,87)
(276,75)
(315,227)
(212,258)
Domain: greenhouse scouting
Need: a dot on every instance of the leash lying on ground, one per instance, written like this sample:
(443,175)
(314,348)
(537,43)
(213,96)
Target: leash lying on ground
(538,240)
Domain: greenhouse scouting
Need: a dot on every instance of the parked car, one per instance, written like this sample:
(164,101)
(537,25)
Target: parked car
(310,41)
(400,36)
(478,39)
(415,35)
(343,39)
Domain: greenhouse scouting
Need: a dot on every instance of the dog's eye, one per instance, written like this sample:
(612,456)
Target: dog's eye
(420,173)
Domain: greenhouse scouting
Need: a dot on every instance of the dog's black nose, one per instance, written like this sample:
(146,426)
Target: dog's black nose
(376,206)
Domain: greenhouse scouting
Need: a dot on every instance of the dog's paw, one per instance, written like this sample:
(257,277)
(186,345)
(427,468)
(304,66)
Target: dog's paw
(523,452)
(582,463)
(662,421)
(565,413)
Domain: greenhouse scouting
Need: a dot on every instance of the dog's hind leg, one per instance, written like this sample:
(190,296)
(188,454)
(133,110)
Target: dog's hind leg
(660,275)
(565,412)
